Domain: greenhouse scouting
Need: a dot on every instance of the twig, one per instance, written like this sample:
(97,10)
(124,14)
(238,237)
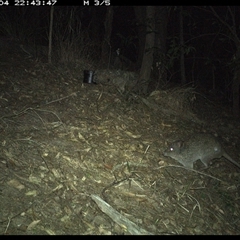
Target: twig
(60,99)
(43,110)
(9,220)
(191,170)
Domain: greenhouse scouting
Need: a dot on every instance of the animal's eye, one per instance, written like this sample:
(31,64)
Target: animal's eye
(171,149)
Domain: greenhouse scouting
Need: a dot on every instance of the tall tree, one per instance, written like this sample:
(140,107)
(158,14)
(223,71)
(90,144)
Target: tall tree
(140,13)
(152,35)
(159,62)
(106,47)
(182,62)
(149,47)
(50,36)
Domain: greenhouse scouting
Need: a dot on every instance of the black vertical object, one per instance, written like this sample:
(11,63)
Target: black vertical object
(88,76)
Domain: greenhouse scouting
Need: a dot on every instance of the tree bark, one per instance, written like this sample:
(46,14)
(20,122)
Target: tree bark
(50,36)
(140,13)
(106,47)
(159,61)
(94,25)
(147,61)
(182,61)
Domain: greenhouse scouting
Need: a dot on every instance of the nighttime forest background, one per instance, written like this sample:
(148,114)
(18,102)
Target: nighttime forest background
(166,45)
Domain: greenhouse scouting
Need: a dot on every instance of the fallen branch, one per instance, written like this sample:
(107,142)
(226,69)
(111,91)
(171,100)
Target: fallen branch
(131,227)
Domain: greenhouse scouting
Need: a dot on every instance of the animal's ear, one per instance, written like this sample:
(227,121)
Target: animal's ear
(167,143)
(180,144)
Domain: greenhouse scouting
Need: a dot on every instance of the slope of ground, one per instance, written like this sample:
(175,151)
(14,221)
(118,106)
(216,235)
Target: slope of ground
(64,144)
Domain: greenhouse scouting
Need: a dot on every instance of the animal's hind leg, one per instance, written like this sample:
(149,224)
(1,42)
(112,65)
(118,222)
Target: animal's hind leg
(205,161)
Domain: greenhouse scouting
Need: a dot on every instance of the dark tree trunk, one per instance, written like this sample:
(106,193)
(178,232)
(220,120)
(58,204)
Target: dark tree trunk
(182,62)
(106,47)
(50,36)
(140,13)
(159,69)
(94,25)
(147,61)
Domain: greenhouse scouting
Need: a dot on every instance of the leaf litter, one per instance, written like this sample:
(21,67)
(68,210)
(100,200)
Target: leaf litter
(87,159)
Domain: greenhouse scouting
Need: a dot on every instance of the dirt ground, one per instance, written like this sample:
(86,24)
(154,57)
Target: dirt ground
(87,158)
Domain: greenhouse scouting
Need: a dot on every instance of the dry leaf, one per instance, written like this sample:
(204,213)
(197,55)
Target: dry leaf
(16,184)
(32,225)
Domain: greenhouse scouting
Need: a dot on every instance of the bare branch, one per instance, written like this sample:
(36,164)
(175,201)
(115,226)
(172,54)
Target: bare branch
(233,19)
(233,32)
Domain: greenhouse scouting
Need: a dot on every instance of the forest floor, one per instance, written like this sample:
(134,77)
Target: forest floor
(87,158)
